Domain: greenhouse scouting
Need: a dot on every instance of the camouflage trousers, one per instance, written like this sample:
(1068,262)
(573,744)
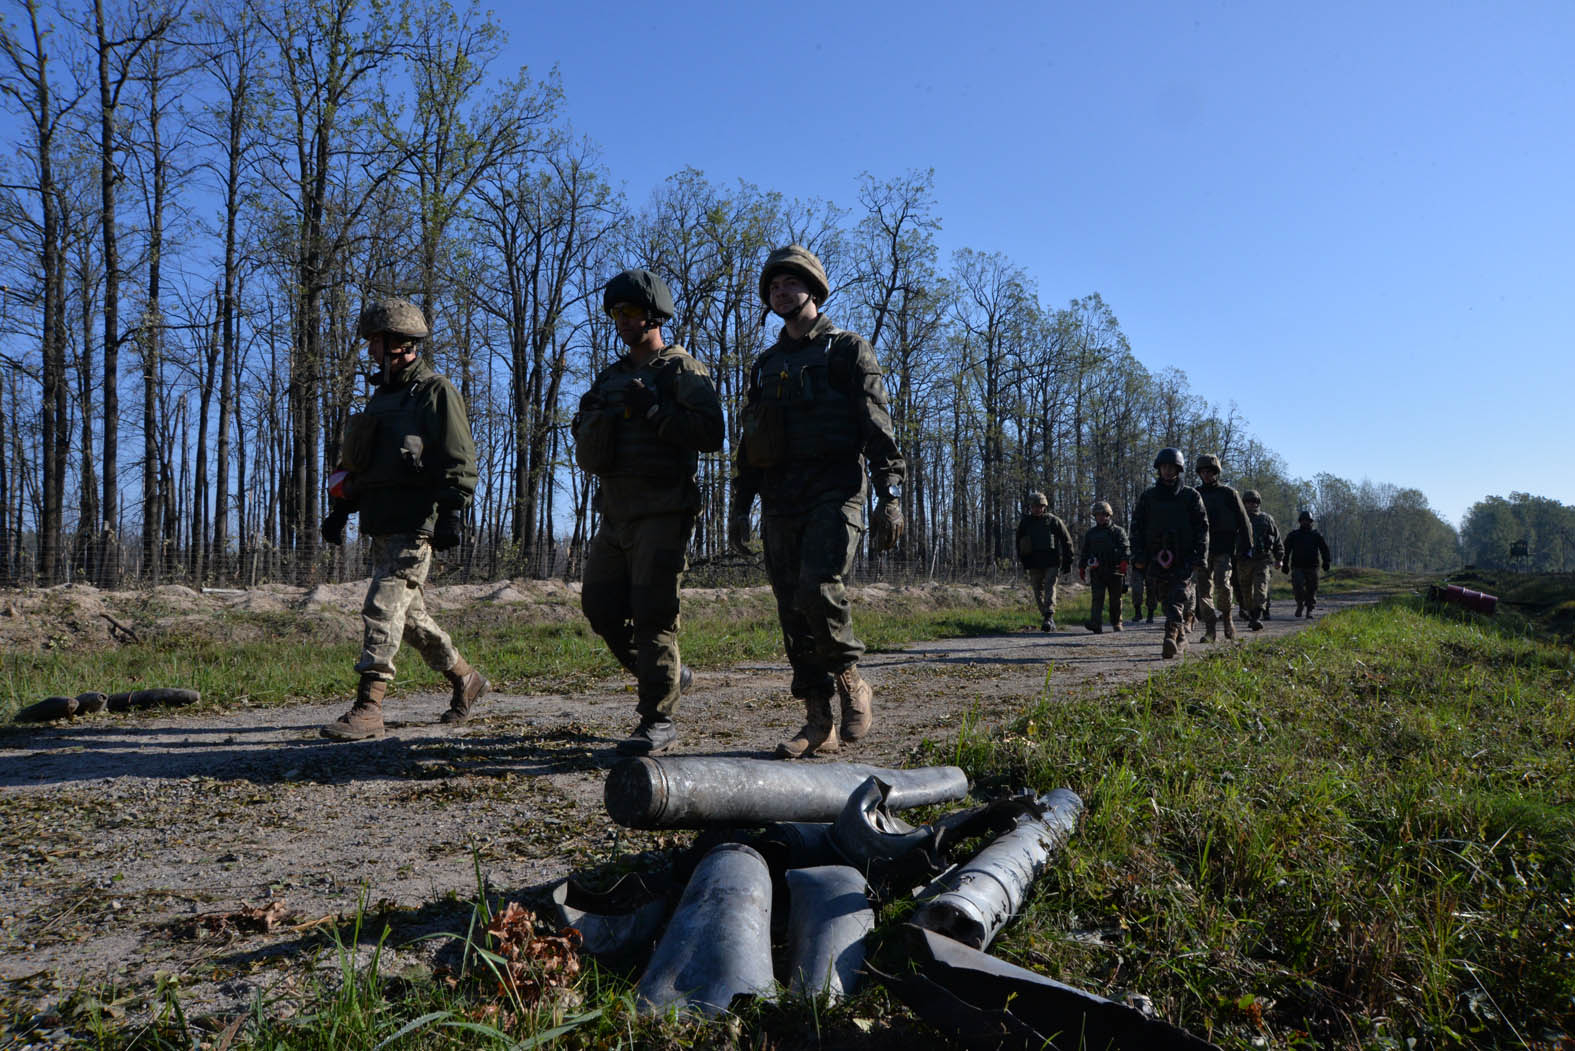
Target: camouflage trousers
(1172,590)
(1042,583)
(1304,585)
(1138,590)
(633,570)
(1105,589)
(808,557)
(1252,575)
(1212,581)
(394,610)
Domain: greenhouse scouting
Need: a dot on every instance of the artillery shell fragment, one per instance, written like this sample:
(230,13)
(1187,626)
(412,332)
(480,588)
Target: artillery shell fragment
(718,944)
(47,710)
(972,902)
(92,702)
(162,697)
(830,917)
(705,791)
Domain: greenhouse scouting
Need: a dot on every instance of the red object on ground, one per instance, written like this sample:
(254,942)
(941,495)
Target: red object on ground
(1456,595)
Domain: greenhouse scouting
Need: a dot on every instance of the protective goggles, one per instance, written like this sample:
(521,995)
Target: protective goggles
(626,312)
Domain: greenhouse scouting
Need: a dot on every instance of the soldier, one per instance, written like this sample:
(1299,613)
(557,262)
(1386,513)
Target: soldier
(814,419)
(1230,534)
(1105,555)
(1170,537)
(409,468)
(1044,547)
(640,430)
(1265,552)
(1304,549)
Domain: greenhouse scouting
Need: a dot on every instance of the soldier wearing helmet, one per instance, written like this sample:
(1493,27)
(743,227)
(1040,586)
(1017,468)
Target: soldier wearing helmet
(640,429)
(1170,538)
(816,434)
(1230,536)
(1265,552)
(1305,548)
(408,466)
(1044,547)
(1103,563)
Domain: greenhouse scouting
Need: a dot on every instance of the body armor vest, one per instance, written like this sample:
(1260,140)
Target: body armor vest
(809,388)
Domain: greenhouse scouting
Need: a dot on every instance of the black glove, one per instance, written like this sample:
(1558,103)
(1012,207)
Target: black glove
(446,534)
(639,399)
(738,532)
(334,525)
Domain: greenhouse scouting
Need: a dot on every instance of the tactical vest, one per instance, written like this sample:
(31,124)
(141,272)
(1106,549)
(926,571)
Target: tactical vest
(638,448)
(1263,534)
(805,405)
(1168,524)
(1039,534)
(1101,545)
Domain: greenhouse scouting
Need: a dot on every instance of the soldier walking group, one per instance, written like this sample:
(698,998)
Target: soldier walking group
(815,439)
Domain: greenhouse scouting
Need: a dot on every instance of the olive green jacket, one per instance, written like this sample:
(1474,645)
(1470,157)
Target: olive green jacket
(422,456)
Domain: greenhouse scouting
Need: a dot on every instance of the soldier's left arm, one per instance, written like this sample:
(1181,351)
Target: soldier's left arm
(1243,524)
(692,417)
(1123,545)
(454,465)
(887,468)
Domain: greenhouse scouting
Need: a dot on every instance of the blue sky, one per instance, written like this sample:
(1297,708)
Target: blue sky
(1355,221)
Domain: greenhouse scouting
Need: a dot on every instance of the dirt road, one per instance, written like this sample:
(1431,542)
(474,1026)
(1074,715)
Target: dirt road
(123,833)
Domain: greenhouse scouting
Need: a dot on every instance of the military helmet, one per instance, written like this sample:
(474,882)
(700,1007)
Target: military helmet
(1208,460)
(642,288)
(1305,516)
(395,316)
(1038,499)
(1251,496)
(1103,508)
(1172,456)
(795,259)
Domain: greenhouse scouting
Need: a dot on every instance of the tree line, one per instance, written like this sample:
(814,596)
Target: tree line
(199,197)
(1532,534)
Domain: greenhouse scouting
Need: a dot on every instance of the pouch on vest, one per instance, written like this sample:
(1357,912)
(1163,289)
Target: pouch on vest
(358,442)
(596,442)
(1025,545)
(765,435)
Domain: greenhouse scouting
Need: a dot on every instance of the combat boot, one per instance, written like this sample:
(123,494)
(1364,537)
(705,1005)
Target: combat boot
(818,735)
(1230,629)
(1171,645)
(858,704)
(1115,625)
(468,684)
(1255,621)
(1150,619)
(365,717)
(1298,610)
(655,734)
(1210,626)
(1093,626)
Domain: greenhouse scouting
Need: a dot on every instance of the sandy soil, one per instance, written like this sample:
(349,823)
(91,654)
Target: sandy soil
(126,835)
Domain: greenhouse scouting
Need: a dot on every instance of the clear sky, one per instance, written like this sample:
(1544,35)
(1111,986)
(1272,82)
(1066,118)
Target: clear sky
(1354,220)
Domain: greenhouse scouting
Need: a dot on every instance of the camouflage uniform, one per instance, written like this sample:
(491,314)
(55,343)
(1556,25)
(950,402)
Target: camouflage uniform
(1252,569)
(410,467)
(648,499)
(1044,547)
(1304,549)
(1230,534)
(1104,558)
(815,419)
(1170,525)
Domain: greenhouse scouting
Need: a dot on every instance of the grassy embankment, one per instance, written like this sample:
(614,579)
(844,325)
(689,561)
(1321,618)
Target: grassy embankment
(1358,836)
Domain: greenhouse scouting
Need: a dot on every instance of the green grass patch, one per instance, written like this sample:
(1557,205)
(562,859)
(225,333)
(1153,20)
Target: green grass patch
(1356,836)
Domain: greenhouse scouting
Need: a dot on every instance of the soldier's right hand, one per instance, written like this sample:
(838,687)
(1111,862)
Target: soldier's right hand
(333,527)
(738,533)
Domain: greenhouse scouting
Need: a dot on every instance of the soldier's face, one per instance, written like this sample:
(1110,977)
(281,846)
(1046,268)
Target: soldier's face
(1209,475)
(1252,505)
(787,292)
(1169,472)
(629,321)
(1036,509)
(379,346)
(1101,518)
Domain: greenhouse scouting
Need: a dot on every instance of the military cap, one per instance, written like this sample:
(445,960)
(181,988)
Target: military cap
(642,288)
(1208,460)
(1103,508)
(1251,497)
(1305,516)
(394,315)
(795,259)
(1038,499)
